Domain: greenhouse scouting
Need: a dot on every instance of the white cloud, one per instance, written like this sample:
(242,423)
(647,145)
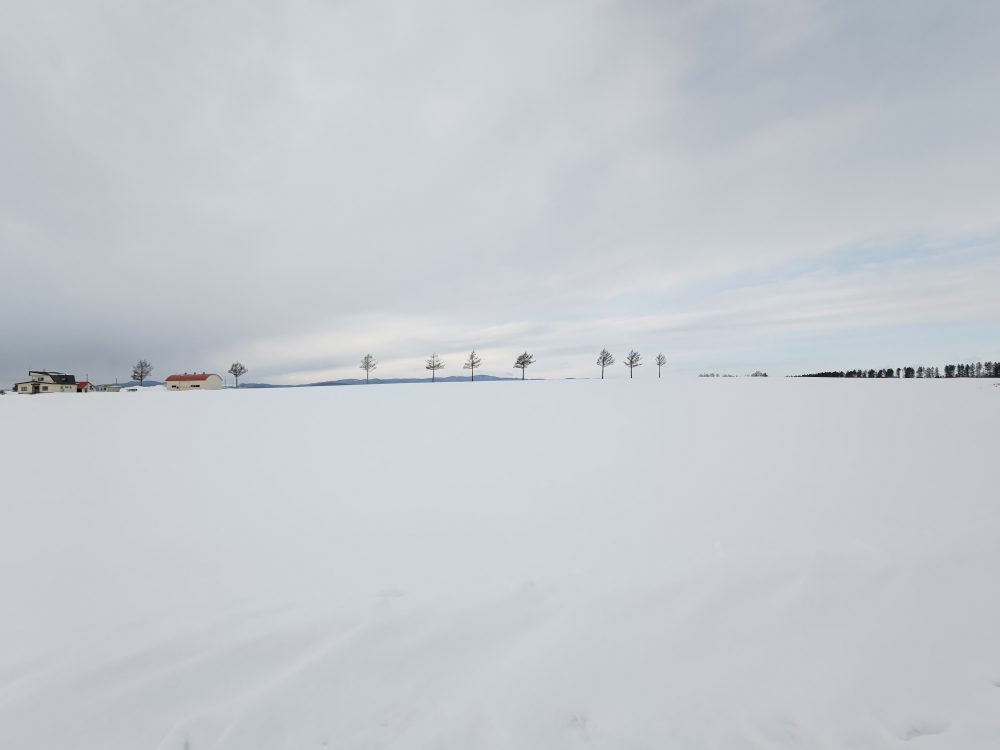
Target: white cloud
(185,181)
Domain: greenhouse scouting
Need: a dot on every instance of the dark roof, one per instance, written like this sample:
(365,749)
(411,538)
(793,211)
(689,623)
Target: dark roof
(58,377)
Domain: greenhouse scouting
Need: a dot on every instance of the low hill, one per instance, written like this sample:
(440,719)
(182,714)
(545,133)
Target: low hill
(380,381)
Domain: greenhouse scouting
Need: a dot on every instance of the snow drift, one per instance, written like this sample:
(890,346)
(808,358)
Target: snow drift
(619,564)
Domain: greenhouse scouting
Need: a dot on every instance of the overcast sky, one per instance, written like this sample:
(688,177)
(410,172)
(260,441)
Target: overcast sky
(779,185)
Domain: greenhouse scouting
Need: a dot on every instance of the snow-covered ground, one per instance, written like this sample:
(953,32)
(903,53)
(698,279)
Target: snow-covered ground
(741,563)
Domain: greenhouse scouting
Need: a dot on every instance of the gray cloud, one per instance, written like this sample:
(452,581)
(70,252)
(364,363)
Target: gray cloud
(295,184)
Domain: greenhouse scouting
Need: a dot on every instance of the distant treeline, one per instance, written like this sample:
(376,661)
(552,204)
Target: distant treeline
(971,370)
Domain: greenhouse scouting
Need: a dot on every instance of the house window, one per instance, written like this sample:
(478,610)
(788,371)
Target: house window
(45,387)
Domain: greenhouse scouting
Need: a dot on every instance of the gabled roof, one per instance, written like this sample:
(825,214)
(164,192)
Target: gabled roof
(57,377)
(192,376)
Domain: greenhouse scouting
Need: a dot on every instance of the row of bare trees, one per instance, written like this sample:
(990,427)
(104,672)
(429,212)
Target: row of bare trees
(971,370)
(473,362)
(435,363)
(143,369)
(632,360)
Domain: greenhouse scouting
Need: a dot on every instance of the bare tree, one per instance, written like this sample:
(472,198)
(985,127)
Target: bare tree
(434,364)
(141,371)
(632,361)
(660,361)
(472,363)
(368,363)
(237,371)
(605,359)
(523,361)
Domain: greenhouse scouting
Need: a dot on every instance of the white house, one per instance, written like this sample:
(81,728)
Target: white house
(40,381)
(186,382)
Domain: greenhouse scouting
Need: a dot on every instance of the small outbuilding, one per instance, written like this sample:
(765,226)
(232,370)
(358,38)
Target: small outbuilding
(85,386)
(193,381)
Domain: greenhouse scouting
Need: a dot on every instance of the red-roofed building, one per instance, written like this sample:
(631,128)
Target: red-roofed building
(193,381)
(84,386)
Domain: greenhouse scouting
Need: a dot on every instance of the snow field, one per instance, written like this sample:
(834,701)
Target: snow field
(741,563)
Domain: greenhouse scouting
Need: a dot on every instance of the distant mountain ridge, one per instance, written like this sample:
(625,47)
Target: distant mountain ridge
(378,381)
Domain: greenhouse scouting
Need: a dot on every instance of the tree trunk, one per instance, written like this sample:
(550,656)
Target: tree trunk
(522,373)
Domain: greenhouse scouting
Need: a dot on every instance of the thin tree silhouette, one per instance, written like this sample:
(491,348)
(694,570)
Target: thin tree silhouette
(434,364)
(141,371)
(368,363)
(523,361)
(237,370)
(605,359)
(472,363)
(632,361)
